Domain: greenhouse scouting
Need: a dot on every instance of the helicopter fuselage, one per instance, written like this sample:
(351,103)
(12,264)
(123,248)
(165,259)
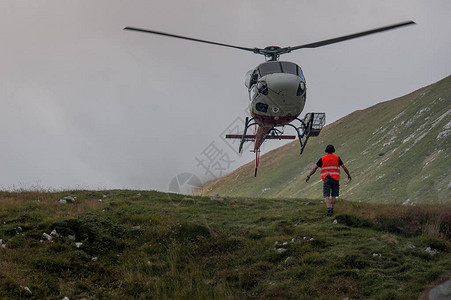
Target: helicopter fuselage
(277,92)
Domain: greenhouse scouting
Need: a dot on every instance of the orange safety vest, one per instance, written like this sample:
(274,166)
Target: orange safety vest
(330,166)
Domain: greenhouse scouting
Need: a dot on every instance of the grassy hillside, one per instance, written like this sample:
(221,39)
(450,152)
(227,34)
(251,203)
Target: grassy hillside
(149,245)
(397,151)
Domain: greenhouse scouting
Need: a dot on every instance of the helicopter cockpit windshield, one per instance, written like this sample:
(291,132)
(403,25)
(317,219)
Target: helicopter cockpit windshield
(280,67)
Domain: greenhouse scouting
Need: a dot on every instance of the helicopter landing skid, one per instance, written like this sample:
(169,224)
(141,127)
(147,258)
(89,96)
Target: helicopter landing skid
(310,126)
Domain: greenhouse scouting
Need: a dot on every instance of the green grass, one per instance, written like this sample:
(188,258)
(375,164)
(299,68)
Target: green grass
(152,245)
(396,151)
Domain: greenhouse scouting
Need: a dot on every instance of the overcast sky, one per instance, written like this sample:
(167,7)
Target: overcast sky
(85,104)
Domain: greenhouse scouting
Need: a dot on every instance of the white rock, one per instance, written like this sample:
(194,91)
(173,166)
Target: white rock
(68,199)
(442,291)
(78,244)
(26,288)
(335,221)
(431,251)
(65,298)
(47,236)
(95,258)
(377,255)
(281,250)
(54,234)
(285,243)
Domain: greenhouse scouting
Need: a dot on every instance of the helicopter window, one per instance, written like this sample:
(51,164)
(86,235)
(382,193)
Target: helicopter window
(269,68)
(253,92)
(254,78)
(301,89)
(279,67)
(300,73)
(290,68)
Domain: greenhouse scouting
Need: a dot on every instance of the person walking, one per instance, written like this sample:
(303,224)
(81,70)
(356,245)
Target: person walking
(330,174)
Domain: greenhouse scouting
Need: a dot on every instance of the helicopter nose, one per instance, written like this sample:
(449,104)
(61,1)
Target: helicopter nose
(284,84)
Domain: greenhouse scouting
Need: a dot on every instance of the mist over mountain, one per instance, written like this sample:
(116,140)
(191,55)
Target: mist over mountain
(396,151)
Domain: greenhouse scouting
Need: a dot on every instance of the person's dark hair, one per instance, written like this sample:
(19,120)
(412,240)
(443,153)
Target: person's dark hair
(330,149)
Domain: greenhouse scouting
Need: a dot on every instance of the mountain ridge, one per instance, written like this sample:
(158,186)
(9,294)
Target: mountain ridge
(395,150)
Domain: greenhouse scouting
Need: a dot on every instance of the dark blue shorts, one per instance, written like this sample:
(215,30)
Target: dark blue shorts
(331,187)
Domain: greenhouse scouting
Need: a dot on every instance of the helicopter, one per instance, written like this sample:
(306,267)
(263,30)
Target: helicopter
(277,92)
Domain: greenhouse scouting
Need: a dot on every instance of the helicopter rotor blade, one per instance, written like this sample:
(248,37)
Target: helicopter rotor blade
(255,50)
(351,36)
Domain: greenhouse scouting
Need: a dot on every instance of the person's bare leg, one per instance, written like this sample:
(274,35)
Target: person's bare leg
(327,200)
(329,206)
(330,209)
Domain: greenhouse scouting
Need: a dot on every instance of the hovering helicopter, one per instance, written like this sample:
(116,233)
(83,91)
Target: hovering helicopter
(277,92)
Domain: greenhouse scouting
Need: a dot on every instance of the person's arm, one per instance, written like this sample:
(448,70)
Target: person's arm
(311,173)
(347,172)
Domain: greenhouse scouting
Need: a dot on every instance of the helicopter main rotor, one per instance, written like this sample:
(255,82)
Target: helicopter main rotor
(272,53)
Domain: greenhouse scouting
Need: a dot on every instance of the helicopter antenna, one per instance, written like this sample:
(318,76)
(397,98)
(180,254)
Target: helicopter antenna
(272,53)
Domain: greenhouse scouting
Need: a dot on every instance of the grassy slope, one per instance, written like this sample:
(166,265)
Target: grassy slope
(392,149)
(151,245)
